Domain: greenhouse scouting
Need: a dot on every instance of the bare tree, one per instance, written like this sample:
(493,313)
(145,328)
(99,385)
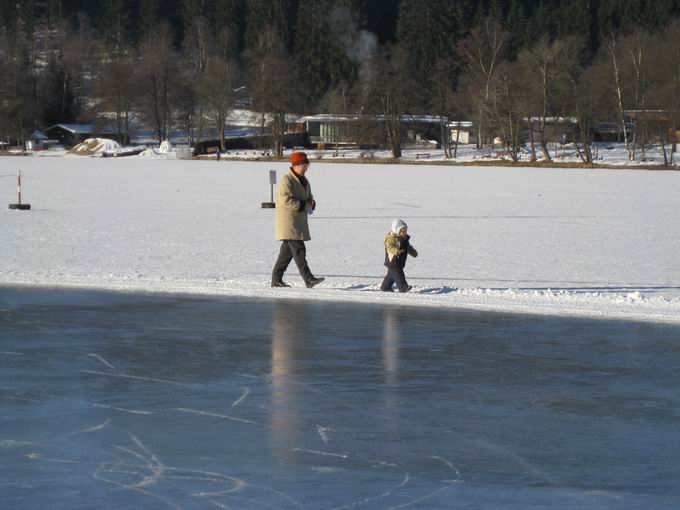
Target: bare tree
(396,94)
(187,107)
(582,101)
(444,102)
(197,42)
(482,52)
(507,108)
(613,54)
(339,101)
(666,87)
(545,67)
(636,49)
(272,84)
(216,91)
(115,88)
(393,119)
(672,42)
(156,79)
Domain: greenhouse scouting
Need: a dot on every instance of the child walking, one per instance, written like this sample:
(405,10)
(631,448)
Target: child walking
(397,249)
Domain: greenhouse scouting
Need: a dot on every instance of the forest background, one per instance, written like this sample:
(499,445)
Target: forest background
(185,64)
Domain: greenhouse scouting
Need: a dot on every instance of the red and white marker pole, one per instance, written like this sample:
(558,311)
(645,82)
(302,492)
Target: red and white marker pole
(19,206)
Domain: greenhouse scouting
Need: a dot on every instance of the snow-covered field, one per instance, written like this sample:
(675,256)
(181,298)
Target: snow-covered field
(601,243)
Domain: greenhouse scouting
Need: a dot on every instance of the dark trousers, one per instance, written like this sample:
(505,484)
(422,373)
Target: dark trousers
(394,275)
(292,250)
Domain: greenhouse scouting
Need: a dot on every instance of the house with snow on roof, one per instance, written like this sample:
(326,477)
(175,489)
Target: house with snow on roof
(71,135)
(329,130)
(39,141)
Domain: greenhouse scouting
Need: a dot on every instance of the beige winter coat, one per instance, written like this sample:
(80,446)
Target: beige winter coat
(291,214)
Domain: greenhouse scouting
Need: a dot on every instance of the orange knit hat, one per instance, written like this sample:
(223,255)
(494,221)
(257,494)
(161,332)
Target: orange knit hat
(298,158)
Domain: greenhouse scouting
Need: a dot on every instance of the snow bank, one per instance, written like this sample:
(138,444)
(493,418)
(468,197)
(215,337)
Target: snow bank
(549,241)
(94,146)
(604,154)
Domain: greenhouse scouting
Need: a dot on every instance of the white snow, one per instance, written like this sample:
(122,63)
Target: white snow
(598,243)
(604,154)
(165,146)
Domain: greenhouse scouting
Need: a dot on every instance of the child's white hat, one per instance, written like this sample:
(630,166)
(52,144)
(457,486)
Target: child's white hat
(397,225)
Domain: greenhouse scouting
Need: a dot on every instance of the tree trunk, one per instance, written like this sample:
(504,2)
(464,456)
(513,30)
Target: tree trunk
(446,137)
(278,130)
(611,47)
(394,136)
(663,148)
(220,129)
(455,145)
(544,149)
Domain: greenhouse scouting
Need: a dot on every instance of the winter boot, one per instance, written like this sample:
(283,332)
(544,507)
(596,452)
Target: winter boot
(313,281)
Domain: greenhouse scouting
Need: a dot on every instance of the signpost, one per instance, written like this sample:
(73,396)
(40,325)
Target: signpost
(19,206)
(272,180)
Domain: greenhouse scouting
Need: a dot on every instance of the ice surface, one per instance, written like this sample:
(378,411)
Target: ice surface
(153,401)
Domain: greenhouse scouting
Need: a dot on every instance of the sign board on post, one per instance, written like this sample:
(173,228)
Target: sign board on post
(272,180)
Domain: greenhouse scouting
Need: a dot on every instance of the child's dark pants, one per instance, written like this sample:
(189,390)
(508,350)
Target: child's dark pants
(394,275)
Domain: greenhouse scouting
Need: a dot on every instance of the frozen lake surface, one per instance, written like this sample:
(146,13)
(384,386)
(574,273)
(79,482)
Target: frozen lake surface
(112,400)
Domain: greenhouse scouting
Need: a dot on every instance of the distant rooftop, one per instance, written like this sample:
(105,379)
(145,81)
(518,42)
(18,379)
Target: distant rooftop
(332,117)
(84,129)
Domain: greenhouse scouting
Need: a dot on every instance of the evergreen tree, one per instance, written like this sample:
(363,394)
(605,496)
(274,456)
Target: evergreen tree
(427,34)
(9,15)
(579,18)
(148,16)
(655,14)
(279,15)
(230,15)
(318,49)
(58,102)
(114,25)
(17,102)
(429,29)
(516,25)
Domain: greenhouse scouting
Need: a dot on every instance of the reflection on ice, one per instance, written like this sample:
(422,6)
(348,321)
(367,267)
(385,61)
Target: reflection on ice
(286,346)
(390,347)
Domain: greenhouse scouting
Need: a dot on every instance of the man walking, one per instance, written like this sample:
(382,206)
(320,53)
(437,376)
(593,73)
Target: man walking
(294,203)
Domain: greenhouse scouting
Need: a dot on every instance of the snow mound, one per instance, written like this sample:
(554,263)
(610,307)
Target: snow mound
(165,151)
(161,153)
(93,146)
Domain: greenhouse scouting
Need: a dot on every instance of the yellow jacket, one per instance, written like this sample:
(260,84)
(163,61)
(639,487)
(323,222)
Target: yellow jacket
(396,250)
